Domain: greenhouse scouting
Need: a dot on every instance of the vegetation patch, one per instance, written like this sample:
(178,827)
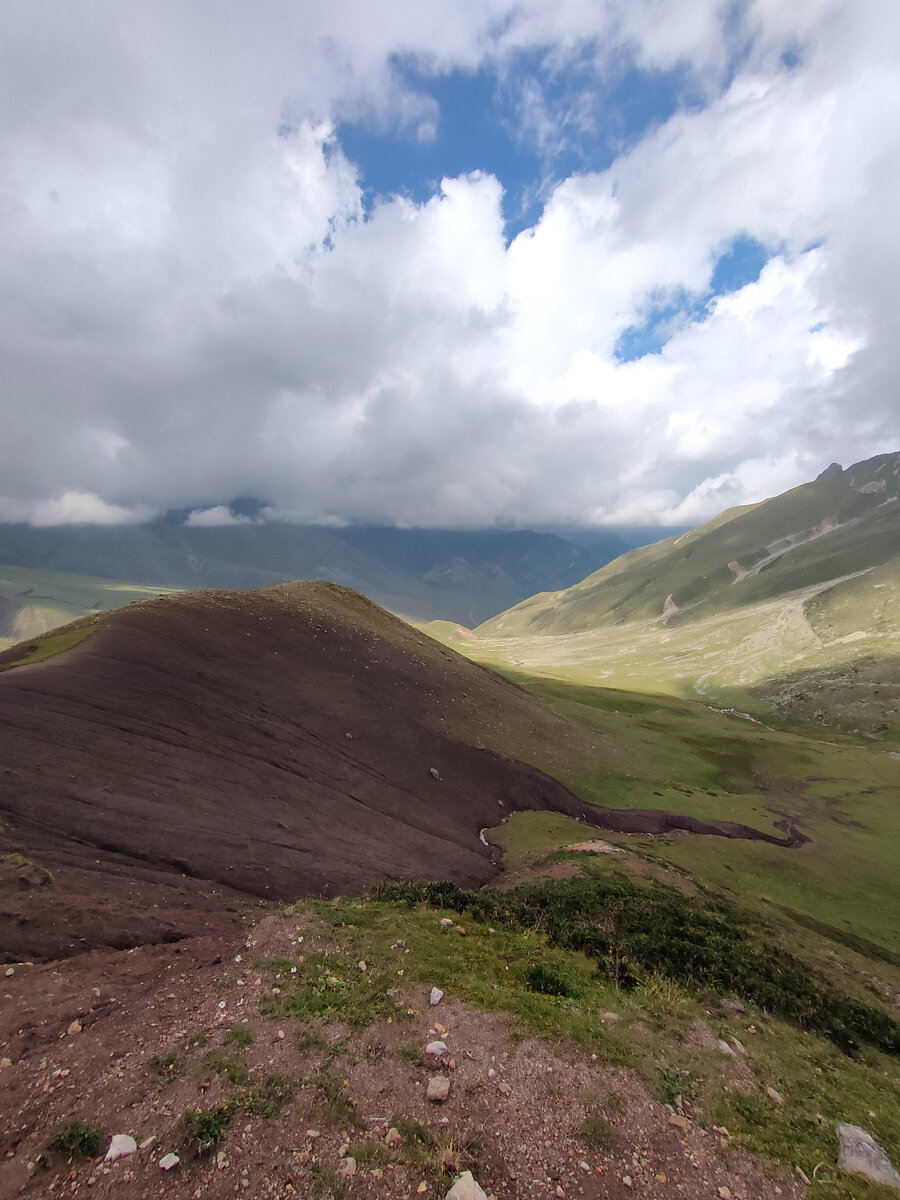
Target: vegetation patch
(541,979)
(48,645)
(238,1035)
(330,988)
(77,1139)
(633,931)
(227,1065)
(204,1128)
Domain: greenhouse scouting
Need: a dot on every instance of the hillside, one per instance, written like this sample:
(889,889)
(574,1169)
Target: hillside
(173,769)
(742,609)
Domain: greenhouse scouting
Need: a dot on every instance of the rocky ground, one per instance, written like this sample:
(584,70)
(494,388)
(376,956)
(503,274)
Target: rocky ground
(129,1041)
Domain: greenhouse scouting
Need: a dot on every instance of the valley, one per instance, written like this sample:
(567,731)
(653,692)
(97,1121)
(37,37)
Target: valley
(619,827)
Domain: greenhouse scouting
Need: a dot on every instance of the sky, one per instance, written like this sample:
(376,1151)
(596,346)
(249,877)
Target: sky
(470,263)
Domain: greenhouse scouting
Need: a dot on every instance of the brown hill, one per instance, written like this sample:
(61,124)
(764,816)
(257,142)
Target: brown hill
(293,741)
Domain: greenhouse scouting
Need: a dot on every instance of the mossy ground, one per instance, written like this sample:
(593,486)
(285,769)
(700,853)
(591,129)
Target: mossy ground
(651,1027)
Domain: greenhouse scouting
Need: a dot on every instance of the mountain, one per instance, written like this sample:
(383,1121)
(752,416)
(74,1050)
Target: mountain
(772,600)
(423,574)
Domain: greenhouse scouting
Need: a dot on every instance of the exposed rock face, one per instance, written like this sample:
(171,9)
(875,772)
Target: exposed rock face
(860,1154)
(831,471)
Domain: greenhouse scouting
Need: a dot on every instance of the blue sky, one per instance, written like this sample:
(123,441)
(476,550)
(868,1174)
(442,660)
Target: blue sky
(447,264)
(482,125)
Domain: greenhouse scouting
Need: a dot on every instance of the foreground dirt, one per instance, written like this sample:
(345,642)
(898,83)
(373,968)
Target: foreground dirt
(122,1039)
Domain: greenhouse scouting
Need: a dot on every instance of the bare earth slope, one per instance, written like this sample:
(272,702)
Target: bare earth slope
(292,741)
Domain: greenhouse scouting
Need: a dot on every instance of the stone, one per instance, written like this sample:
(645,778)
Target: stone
(435,773)
(436,996)
(121,1146)
(860,1154)
(438,1088)
(775,1097)
(362,966)
(74,1028)
(393,1137)
(446,922)
(737,1046)
(169,1161)
(734,1006)
(147,1142)
(439,1029)
(679,1122)
(347,1167)
(725,1193)
(436,1048)
(466,1187)
(725,1048)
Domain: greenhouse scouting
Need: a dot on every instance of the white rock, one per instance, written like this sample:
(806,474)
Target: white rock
(438,1088)
(436,996)
(860,1154)
(436,1048)
(725,1048)
(169,1161)
(121,1146)
(466,1188)
(446,922)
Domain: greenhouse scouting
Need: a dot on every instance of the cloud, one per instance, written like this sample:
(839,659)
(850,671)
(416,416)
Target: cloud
(72,508)
(215,517)
(199,300)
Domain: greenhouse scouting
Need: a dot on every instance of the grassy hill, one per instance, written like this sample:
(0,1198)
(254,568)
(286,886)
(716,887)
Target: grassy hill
(756,609)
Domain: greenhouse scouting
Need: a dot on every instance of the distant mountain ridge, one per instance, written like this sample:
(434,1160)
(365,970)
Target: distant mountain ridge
(423,574)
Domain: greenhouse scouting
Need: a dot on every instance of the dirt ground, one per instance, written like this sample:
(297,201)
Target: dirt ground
(513,1115)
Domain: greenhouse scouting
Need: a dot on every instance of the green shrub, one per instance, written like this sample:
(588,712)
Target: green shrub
(205,1128)
(77,1139)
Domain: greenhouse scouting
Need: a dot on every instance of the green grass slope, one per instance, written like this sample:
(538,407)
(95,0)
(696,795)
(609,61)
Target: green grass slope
(33,602)
(821,531)
(758,609)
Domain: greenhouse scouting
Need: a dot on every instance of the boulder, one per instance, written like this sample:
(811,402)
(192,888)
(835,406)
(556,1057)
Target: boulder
(436,1048)
(438,1088)
(121,1146)
(436,996)
(860,1154)
(466,1188)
